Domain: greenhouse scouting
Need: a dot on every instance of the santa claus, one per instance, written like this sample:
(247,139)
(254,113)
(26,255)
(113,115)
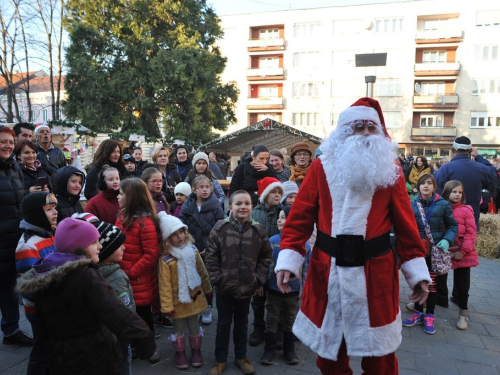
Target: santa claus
(354,193)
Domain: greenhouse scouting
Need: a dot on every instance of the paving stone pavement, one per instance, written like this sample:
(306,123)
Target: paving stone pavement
(448,352)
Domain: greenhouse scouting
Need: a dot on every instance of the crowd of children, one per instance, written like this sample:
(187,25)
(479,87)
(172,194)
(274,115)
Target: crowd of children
(133,261)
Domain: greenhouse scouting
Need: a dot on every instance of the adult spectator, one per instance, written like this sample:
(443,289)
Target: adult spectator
(474,175)
(33,173)
(300,161)
(284,152)
(252,169)
(350,300)
(11,193)
(140,164)
(109,153)
(24,132)
(182,162)
(171,177)
(51,157)
(420,168)
(221,163)
(277,160)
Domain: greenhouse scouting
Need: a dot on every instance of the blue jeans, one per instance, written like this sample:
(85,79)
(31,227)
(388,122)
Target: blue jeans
(9,303)
(227,308)
(126,365)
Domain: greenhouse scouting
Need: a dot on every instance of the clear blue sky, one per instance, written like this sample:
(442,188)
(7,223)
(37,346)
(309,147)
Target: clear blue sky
(226,7)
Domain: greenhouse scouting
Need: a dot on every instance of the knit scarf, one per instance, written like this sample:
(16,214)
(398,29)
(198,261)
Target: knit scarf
(298,174)
(188,277)
(33,168)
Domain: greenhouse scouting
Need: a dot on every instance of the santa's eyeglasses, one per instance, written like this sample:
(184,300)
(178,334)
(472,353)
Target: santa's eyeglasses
(360,124)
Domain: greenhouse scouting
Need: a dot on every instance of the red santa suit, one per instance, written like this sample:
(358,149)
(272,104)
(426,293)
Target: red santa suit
(359,304)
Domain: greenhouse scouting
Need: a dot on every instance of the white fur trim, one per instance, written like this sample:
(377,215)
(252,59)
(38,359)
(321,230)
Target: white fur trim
(269,188)
(415,270)
(359,112)
(347,316)
(289,260)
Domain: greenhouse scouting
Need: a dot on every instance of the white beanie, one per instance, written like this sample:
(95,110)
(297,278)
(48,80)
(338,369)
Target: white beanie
(198,156)
(41,126)
(290,188)
(183,188)
(169,224)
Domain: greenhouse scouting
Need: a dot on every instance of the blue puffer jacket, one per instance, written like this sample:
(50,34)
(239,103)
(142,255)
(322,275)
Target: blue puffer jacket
(201,222)
(441,222)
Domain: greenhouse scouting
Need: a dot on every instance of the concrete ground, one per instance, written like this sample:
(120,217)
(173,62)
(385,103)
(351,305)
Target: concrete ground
(448,352)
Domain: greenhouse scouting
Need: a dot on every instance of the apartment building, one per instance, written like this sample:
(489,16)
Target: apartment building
(441,80)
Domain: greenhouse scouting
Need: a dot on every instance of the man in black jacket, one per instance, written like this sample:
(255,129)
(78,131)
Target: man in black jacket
(51,157)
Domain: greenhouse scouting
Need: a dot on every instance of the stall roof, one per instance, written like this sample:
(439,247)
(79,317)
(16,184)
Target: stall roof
(273,134)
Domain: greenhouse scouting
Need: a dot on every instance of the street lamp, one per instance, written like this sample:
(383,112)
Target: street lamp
(370,59)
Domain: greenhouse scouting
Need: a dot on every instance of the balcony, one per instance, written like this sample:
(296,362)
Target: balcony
(259,74)
(265,103)
(438,36)
(433,133)
(276,44)
(437,69)
(435,101)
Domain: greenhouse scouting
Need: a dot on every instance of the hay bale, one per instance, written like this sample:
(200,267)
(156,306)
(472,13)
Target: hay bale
(488,238)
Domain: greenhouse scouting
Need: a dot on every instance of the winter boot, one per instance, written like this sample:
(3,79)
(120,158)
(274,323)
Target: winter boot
(279,339)
(256,336)
(462,319)
(196,357)
(269,348)
(289,349)
(180,359)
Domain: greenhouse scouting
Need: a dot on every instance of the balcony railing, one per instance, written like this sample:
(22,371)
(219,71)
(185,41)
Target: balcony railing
(438,132)
(265,72)
(277,43)
(426,67)
(439,34)
(436,99)
(272,102)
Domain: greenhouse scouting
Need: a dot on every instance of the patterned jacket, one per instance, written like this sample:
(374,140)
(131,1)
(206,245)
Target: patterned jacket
(238,257)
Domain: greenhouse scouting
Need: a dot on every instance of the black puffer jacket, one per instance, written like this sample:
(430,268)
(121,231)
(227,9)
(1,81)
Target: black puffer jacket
(201,222)
(67,204)
(31,178)
(51,159)
(91,189)
(79,315)
(172,178)
(245,177)
(11,195)
(183,168)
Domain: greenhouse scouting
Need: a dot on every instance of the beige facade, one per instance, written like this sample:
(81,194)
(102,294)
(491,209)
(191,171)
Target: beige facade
(442,77)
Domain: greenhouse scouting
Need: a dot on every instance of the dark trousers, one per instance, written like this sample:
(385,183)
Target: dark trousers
(387,364)
(442,290)
(461,286)
(9,302)
(145,313)
(37,363)
(229,308)
(259,309)
(284,307)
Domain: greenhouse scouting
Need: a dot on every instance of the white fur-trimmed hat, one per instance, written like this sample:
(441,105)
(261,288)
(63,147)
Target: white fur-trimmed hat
(198,156)
(183,188)
(363,109)
(169,224)
(266,185)
(41,126)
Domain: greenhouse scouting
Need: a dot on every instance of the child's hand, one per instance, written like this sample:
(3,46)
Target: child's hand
(170,313)
(457,256)
(443,245)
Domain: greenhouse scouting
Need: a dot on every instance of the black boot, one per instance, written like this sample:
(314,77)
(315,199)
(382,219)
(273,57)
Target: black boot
(269,348)
(289,349)
(256,336)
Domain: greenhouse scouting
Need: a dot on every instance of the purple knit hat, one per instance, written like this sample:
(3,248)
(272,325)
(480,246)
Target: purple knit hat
(72,233)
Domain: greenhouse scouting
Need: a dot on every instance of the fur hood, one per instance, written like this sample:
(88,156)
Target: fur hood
(31,283)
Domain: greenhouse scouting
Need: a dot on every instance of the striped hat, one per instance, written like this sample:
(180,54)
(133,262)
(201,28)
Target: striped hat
(111,239)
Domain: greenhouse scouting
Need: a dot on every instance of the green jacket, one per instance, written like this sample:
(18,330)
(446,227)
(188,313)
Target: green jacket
(237,257)
(118,280)
(267,217)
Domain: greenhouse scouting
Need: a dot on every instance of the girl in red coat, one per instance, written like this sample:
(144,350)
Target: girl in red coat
(105,204)
(464,257)
(139,221)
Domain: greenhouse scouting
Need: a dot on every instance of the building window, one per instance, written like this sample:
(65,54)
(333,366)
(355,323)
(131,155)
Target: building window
(389,25)
(488,18)
(486,53)
(334,118)
(484,120)
(307,88)
(305,118)
(306,59)
(434,57)
(304,30)
(44,115)
(269,34)
(388,87)
(268,91)
(485,86)
(434,120)
(392,119)
(269,62)
(432,88)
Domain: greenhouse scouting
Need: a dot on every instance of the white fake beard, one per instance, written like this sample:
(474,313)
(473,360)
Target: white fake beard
(361,162)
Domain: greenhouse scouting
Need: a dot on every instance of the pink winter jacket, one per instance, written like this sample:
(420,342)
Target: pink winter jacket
(466,237)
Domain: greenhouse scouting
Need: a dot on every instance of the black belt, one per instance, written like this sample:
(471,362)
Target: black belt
(352,250)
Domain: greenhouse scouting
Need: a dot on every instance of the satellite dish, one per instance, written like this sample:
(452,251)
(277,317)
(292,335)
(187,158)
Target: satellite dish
(367,24)
(418,88)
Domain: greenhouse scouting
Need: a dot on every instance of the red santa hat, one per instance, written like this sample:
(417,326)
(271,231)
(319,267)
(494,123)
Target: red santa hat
(40,126)
(363,109)
(266,185)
